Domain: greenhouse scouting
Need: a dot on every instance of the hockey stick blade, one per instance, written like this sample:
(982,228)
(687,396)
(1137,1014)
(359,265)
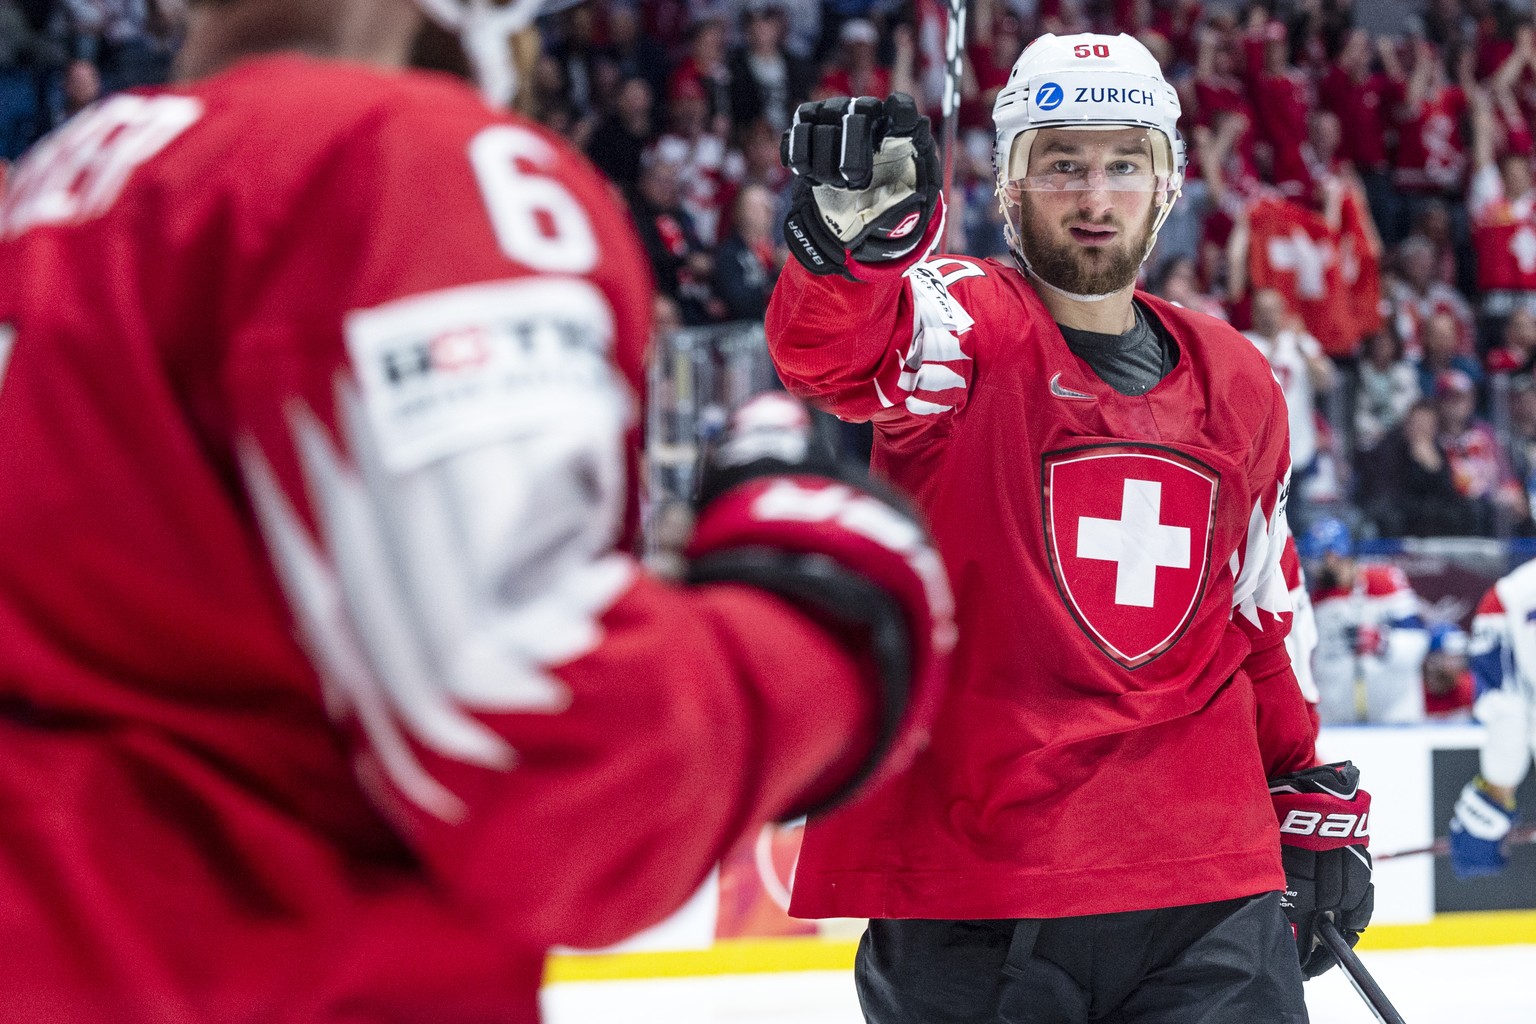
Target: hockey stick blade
(1442,846)
(1358,976)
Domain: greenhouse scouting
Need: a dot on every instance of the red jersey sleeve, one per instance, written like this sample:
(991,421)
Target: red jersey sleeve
(892,347)
(431,384)
(1262,604)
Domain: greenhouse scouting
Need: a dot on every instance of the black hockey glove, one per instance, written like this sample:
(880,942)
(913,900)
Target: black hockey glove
(1324,816)
(867,181)
(776,513)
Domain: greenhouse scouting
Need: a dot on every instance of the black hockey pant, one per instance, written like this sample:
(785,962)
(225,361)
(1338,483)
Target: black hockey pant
(1232,962)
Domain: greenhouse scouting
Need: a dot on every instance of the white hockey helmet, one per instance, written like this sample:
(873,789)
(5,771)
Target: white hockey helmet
(485,29)
(1088,81)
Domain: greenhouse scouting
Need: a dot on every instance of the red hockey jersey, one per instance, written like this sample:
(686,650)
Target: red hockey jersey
(1503,234)
(1431,155)
(400,336)
(1120,690)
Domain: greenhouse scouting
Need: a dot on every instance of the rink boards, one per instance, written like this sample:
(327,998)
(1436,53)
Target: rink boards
(736,923)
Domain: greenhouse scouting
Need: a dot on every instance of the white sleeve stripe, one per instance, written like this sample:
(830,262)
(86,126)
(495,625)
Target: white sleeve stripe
(931,377)
(431,597)
(938,323)
(918,407)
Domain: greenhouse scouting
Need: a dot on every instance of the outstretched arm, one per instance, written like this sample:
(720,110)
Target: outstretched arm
(437,451)
(1482,119)
(864,322)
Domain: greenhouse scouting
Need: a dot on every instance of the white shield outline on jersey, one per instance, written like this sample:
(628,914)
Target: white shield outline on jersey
(1050,462)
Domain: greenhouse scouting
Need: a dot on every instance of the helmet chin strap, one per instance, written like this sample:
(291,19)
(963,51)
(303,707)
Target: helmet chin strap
(485,32)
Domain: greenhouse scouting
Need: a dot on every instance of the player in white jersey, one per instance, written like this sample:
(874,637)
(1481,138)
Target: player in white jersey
(1504,668)
(1371,638)
(1300,366)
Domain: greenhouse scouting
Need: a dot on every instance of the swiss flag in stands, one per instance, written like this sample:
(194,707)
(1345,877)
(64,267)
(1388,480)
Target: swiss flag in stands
(1330,274)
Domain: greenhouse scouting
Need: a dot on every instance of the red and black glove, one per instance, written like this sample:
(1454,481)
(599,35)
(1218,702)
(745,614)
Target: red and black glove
(776,513)
(1324,829)
(867,181)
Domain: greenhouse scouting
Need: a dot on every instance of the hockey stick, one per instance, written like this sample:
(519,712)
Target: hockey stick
(954,70)
(1358,976)
(1442,846)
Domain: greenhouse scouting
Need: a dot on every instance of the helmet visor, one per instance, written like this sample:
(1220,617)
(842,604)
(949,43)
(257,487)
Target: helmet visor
(1084,158)
(1084,180)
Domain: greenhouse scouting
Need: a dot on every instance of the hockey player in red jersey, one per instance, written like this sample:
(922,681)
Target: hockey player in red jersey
(327,691)
(1091,834)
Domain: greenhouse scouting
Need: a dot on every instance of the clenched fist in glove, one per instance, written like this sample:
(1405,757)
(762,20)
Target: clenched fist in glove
(867,181)
(1324,816)
(777,514)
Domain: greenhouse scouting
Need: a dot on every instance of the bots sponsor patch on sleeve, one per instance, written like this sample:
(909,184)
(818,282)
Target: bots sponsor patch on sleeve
(451,370)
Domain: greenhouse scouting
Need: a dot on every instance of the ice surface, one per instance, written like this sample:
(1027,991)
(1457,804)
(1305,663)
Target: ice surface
(1485,985)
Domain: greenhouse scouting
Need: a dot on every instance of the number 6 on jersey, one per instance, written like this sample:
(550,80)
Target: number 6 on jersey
(537,221)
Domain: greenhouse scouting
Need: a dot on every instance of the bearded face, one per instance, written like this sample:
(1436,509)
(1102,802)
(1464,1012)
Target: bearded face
(1082,204)
(1051,245)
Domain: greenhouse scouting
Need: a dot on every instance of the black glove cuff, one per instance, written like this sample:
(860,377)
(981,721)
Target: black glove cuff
(1336,883)
(809,241)
(896,233)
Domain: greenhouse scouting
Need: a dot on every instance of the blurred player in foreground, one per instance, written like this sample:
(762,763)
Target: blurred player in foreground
(1503,656)
(327,691)
(1091,835)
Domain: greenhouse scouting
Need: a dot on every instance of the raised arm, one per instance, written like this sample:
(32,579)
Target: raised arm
(1237,258)
(904,66)
(1215,145)
(1420,80)
(1391,62)
(864,323)
(1482,128)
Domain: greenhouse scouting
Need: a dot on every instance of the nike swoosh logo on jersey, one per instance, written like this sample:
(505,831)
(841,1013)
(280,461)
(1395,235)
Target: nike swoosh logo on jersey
(1060,390)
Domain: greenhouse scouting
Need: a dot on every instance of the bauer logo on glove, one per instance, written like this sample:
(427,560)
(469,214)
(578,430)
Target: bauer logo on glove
(1324,831)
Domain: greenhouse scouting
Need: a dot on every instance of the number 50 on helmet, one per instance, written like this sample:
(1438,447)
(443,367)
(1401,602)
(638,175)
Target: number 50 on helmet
(1087,82)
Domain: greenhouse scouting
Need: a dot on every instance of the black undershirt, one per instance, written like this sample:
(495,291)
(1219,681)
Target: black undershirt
(1132,363)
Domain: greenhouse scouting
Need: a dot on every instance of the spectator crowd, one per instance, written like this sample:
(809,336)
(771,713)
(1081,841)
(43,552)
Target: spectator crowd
(59,56)
(1361,205)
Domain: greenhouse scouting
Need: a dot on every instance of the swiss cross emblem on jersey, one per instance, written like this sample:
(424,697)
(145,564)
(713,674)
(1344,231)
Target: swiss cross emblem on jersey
(1128,529)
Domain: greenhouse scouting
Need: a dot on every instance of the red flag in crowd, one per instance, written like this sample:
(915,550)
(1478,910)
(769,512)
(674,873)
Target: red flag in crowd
(1360,270)
(1330,275)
